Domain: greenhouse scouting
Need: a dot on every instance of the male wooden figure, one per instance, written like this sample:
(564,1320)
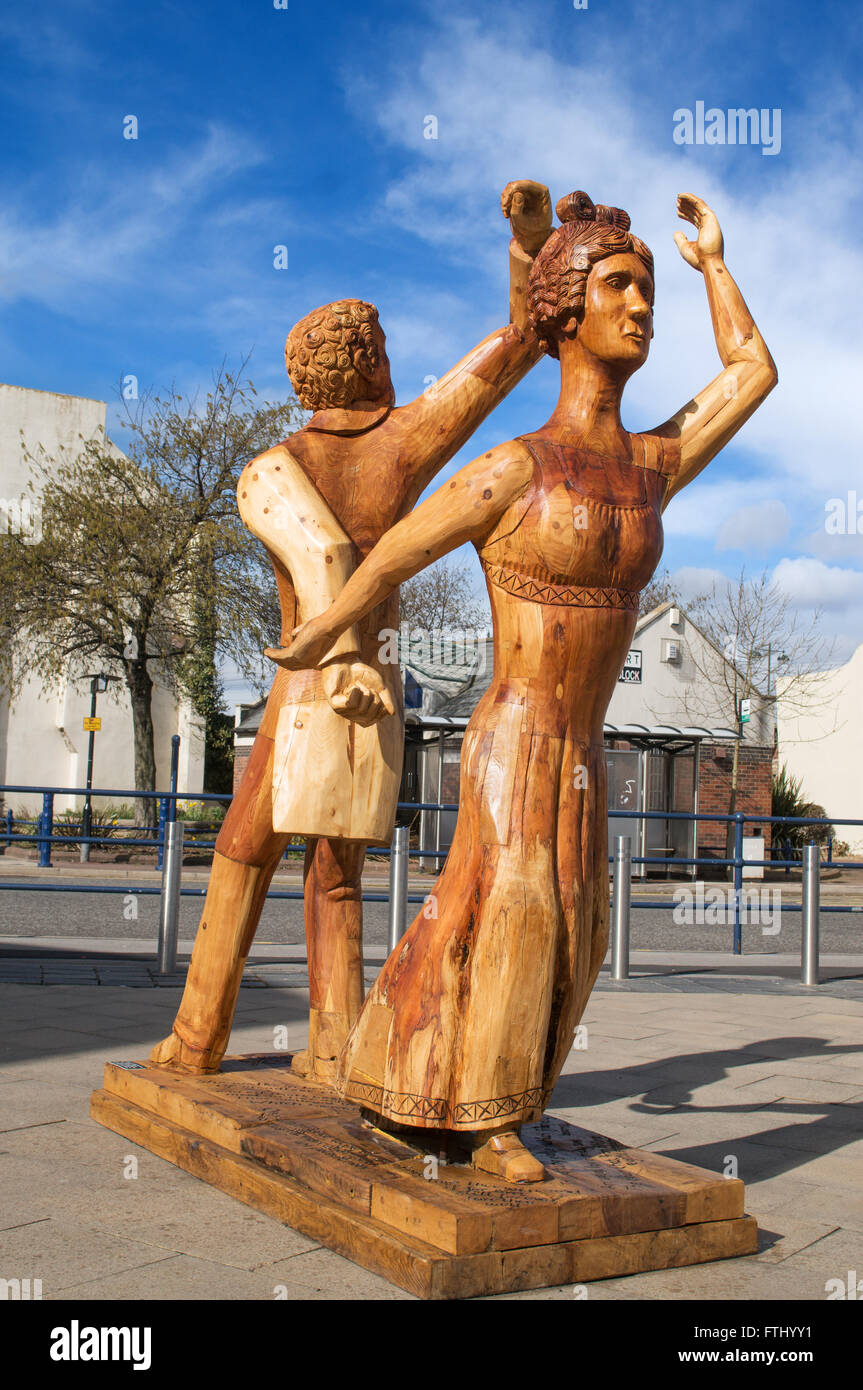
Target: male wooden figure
(326,761)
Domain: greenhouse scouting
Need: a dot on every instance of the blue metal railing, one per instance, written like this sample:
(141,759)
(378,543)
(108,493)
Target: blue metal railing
(44,835)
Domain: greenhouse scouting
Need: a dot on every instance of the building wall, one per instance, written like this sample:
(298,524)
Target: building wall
(242,753)
(688,692)
(824,747)
(754,792)
(42,741)
(46,418)
(46,745)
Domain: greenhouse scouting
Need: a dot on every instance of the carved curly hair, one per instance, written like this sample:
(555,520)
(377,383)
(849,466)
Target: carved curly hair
(329,353)
(558,278)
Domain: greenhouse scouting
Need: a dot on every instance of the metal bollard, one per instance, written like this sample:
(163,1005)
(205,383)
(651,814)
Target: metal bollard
(737,946)
(398,886)
(46,830)
(809,971)
(168,804)
(620,920)
(86,829)
(162,804)
(169,909)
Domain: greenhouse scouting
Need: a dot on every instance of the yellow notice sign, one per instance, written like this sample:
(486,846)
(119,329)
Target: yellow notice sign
(92,726)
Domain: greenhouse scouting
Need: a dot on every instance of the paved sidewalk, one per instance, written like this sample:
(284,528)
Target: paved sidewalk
(769,1081)
(127,961)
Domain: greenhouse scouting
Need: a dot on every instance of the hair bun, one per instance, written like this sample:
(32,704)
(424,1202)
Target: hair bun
(580,207)
(616,217)
(576,207)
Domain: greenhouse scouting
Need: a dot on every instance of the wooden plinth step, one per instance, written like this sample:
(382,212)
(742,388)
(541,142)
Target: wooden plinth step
(293,1149)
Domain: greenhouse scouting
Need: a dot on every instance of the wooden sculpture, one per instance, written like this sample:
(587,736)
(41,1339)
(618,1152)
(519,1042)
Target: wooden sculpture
(326,761)
(474,1012)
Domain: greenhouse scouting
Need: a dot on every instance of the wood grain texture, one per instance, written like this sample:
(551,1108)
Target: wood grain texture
(292,1149)
(474,1012)
(472,1016)
(319,502)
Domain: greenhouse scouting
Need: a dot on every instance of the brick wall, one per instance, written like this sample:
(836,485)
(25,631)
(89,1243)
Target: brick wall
(241,762)
(754,788)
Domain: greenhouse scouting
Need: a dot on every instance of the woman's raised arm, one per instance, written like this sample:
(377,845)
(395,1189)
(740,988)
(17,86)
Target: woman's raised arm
(464,509)
(705,424)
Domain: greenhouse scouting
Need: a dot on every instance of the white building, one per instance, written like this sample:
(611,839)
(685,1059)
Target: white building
(42,739)
(670,733)
(675,675)
(823,746)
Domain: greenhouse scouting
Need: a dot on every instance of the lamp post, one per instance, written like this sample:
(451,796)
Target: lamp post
(781,659)
(98,684)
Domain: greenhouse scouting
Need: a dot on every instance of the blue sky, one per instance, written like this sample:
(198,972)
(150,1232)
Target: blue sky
(303,126)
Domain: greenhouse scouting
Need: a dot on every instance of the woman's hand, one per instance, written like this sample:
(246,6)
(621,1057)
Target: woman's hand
(311,642)
(709,241)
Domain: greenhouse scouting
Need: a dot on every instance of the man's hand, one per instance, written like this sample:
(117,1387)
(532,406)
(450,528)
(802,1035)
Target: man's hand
(528,207)
(356,691)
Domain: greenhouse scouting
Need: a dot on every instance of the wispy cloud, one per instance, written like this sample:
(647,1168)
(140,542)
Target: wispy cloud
(507,105)
(41,42)
(117,229)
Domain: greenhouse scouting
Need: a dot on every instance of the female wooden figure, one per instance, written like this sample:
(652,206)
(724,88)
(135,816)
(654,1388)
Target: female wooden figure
(474,1012)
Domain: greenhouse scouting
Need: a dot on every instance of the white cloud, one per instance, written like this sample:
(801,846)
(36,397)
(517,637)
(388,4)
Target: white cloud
(758,527)
(812,584)
(711,511)
(690,581)
(837,550)
(508,108)
(834,593)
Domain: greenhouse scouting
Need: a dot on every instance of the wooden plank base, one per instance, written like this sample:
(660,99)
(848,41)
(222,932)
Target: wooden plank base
(293,1149)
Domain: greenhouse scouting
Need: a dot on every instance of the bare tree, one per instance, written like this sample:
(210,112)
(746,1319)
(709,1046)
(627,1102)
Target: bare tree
(753,633)
(144,569)
(659,590)
(442,597)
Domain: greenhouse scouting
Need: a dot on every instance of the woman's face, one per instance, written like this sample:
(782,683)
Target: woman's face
(618,311)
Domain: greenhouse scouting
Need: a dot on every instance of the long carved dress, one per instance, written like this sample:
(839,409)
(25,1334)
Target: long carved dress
(473,1014)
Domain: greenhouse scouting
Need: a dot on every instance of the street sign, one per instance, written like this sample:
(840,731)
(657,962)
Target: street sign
(92,724)
(631,673)
(745,710)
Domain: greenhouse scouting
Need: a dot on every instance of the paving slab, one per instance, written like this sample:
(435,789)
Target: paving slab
(780,1088)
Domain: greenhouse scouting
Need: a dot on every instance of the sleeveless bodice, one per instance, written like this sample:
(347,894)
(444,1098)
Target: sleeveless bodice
(587,533)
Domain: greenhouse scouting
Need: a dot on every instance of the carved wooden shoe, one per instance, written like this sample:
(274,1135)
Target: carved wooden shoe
(314,1068)
(506,1157)
(324,1070)
(173,1052)
(301,1063)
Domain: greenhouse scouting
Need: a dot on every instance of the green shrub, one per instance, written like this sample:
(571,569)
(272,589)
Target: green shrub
(789,800)
(103,823)
(210,812)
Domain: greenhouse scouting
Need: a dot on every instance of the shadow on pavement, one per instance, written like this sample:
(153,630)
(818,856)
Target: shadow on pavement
(763,1153)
